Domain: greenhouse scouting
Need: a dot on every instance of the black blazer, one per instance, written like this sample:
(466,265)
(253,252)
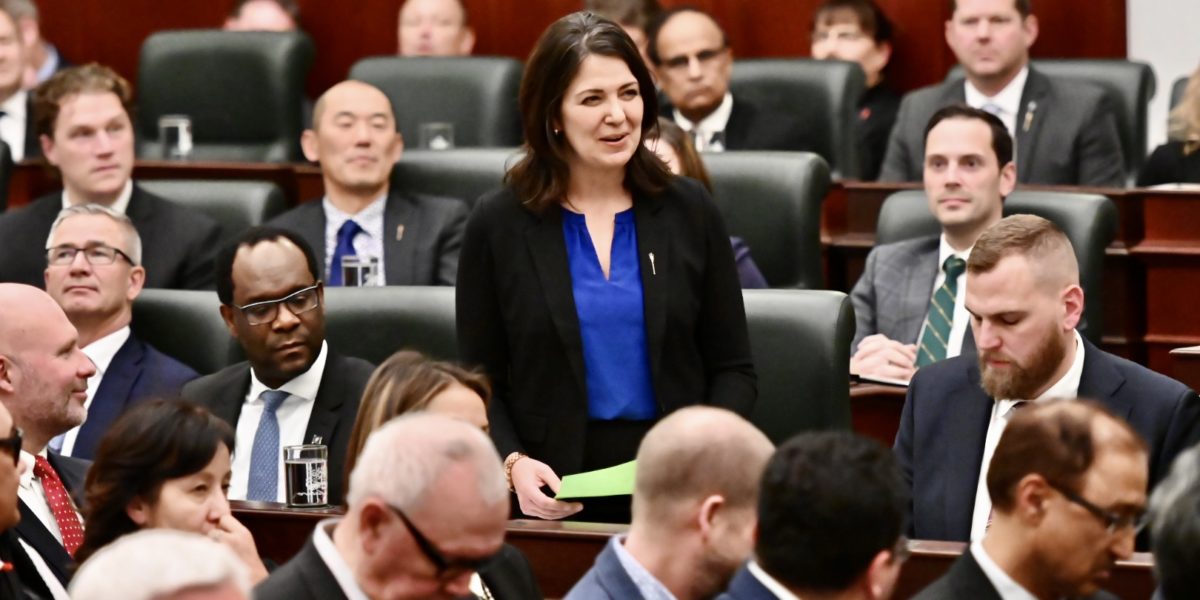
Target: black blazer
(333,414)
(753,127)
(426,253)
(33,147)
(72,472)
(945,419)
(517,318)
(178,243)
(23,581)
(966,579)
(305,577)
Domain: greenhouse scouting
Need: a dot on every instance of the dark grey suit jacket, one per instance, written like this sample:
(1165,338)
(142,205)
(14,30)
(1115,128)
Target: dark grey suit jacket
(1072,137)
(72,472)
(966,579)
(305,577)
(945,420)
(606,580)
(178,243)
(427,252)
(333,414)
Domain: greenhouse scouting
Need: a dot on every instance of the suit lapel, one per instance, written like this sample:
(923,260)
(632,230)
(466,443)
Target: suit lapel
(399,260)
(39,538)
(330,395)
(230,395)
(313,229)
(653,240)
(918,291)
(612,575)
(1101,381)
(549,251)
(114,392)
(1033,112)
(737,128)
(961,449)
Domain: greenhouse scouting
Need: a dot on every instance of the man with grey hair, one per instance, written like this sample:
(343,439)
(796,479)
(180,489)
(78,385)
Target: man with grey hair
(94,272)
(162,564)
(427,509)
(1175,528)
(694,510)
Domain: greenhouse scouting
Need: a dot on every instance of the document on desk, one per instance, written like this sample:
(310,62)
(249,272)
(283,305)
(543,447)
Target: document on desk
(613,481)
(881,380)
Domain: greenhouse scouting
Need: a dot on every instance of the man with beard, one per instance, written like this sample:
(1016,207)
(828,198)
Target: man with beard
(1024,298)
(693,511)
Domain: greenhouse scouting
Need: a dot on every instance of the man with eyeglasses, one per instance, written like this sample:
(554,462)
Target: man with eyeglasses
(694,63)
(292,389)
(94,272)
(1068,487)
(427,508)
(831,515)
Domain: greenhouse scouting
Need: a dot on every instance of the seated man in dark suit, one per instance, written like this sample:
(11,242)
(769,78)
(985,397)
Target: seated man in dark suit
(830,522)
(1065,130)
(43,384)
(82,116)
(1068,485)
(1175,528)
(427,509)
(16,124)
(415,237)
(1025,301)
(94,273)
(293,389)
(908,303)
(693,510)
(694,63)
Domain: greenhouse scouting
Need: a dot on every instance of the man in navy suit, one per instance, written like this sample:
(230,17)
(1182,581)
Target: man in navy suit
(830,522)
(94,271)
(1024,298)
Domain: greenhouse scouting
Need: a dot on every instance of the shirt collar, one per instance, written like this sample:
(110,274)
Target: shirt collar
(716,121)
(779,590)
(647,584)
(342,573)
(305,385)
(29,459)
(104,349)
(370,213)
(1006,587)
(121,204)
(15,105)
(1009,98)
(946,251)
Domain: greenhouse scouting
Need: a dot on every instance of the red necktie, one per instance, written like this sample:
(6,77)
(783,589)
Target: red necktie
(60,505)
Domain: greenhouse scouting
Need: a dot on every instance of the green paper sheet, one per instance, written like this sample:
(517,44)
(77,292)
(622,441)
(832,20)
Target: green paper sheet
(613,481)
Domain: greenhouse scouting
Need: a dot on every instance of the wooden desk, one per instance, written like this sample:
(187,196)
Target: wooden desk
(1185,366)
(875,410)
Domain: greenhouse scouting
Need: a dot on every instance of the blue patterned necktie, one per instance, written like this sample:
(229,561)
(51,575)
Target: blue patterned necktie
(264,456)
(345,247)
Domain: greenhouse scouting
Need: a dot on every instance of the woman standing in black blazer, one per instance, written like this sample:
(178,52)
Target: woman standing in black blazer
(597,291)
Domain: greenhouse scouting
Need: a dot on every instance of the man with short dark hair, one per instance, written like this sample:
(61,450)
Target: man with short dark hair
(694,64)
(1065,130)
(263,15)
(1024,298)
(1175,528)
(830,522)
(292,389)
(86,131)
(434,28)
(1068,485)
(632,15)
(908,303)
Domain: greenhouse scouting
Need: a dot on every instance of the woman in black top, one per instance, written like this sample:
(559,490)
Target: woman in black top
(1178,160)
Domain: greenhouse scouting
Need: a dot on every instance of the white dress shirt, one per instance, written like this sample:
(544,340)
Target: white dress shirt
(961,318)
(1006,587)
(709,126)
(778,589)
(48,577)
(101,352)
(342,573)
(647,584)
(1002,412)
(1008,101)
(368,244)
(121,204)
(12,124)
(292,414)
(31,492)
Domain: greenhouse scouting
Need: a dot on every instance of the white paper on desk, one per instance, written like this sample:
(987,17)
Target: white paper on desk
(884,380)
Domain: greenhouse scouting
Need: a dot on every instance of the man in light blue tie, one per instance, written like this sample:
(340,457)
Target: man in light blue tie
(292,389)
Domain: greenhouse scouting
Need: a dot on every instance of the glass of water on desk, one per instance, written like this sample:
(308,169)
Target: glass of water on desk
(306,471)
(360,271)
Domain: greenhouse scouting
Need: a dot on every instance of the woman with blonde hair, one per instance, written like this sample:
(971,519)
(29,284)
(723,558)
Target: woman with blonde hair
(1178,160)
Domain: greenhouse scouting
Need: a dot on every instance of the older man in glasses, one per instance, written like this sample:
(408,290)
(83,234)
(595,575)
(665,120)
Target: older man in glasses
(94,271)
(292,389)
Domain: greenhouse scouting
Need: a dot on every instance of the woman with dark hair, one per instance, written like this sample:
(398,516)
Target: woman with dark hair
(165,463)
(674,147)
(597,291)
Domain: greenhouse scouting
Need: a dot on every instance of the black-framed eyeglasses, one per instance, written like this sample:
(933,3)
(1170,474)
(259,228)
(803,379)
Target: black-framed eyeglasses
(446,567)
(94,254)
(298,302)
(1113,521)
(12,445)
(704,57)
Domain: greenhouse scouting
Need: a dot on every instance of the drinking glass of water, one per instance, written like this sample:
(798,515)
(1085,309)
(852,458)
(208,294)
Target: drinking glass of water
(306,471)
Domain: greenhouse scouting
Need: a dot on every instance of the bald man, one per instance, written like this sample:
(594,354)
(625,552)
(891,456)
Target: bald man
(1024,299)
(694,510)
(414,238)
(43,384)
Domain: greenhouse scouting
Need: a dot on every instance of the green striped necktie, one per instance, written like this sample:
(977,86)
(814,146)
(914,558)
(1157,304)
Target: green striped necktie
(941,314)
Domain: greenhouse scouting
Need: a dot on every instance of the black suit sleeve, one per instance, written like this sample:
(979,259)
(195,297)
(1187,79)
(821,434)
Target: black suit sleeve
(450,242)
(1182,433)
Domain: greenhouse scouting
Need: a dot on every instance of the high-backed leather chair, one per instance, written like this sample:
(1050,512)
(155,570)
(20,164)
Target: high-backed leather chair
(478,94)
(822,94)
(1089,220)
(464,173)
(374,322)
(6,169)
(187,325)
(800,340)
(772,200)
(1177,90)
(243,91)
(234,205)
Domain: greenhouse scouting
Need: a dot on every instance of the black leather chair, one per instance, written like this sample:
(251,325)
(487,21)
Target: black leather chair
(477,94)
(1177,90)
(187,325)
(772,200)
(1089,220)
(243,91)
(372,323)
(800,340)
(235,205)
(6,169)
(822,94)
(464,173)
